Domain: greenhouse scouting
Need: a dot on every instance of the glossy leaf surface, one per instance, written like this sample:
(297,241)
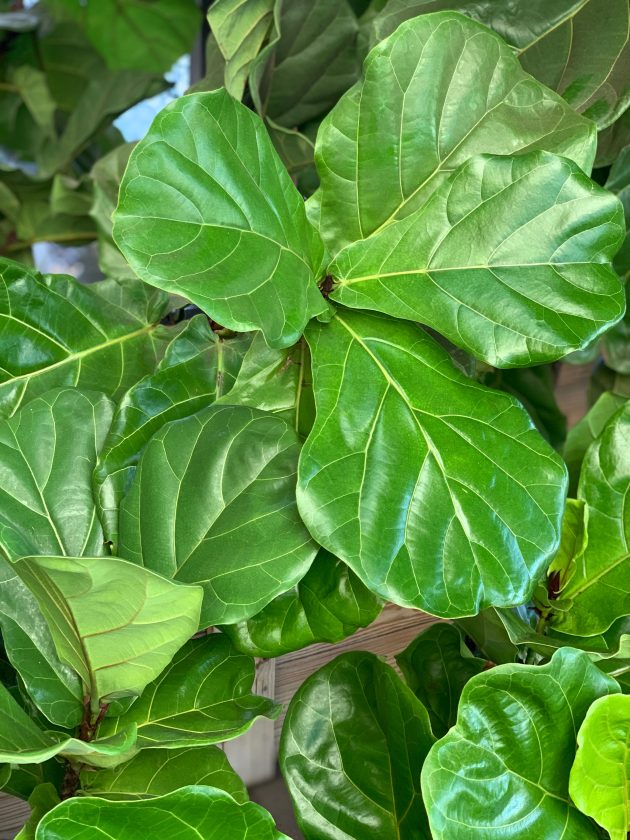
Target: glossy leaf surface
(197,367)
(385,478)
(116,624)
(438,91)
(154,773)
(208,211)
(208,489)
(188,814)
(352,748)
(600,777)
(493,775)
(599,590)
(55,331)
(436,666)
(47,453)
(327,605)
(510,259)
(203,697)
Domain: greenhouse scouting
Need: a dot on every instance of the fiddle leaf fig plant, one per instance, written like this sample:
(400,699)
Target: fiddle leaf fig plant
(277,417)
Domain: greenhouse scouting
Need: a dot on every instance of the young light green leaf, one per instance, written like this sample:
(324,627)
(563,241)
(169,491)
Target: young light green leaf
(327,605)
(208,211)
(209,488)
(436,666)
(510,259)
(47,453)
(599,783)
(352,747)
(494,774)
(154,773)
(599,590)
(188,814)
(116,624)
(23,742)
(203,697)
(577,47)
(453,90)
(52,686)
(198,366)
(56,331)
(436,491)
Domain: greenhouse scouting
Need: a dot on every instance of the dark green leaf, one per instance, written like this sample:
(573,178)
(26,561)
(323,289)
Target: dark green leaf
(327,605)
(353,744)
(208,211)
(488,633)
(47,454)
(187,814)
(116,624)
(509,259)
(437,665)
(209,488)
(55,331)
(503,770)
(203,697)
(387,482)
(157,772)
(452,90)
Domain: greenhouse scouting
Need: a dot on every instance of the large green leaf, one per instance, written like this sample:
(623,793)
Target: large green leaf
(503,770)
(599,783)
(577,47)
(438,91)
(327,605)
(190,813)
(352,748)
(157,772)
(23,742)
(54,687)
(198,366)
(208,211)
(136,34)
(598,591)
(509,259)
(437,665)
(203,697)
(47,453)
(435,490)
(208,489)
(116,624)
(55,331)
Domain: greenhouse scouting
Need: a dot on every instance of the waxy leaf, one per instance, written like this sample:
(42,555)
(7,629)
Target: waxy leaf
(47,453)
(503,770)
(327,605)
(599,783)
(577,47)
(203,697)
(23,742)
(352,748)
(52,686)
(436,666)
(210,488)
(55,331)
(386,482)
(116,624)
(599,590)
(510,259)
(198,366)
(438,91)
(157,772)
(190,813)
(208,211)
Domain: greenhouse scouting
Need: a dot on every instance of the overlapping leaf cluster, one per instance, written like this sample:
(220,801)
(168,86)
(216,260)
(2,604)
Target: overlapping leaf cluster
(363,412)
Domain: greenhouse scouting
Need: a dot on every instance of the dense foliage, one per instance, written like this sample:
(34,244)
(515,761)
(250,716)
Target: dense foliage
(275,415)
